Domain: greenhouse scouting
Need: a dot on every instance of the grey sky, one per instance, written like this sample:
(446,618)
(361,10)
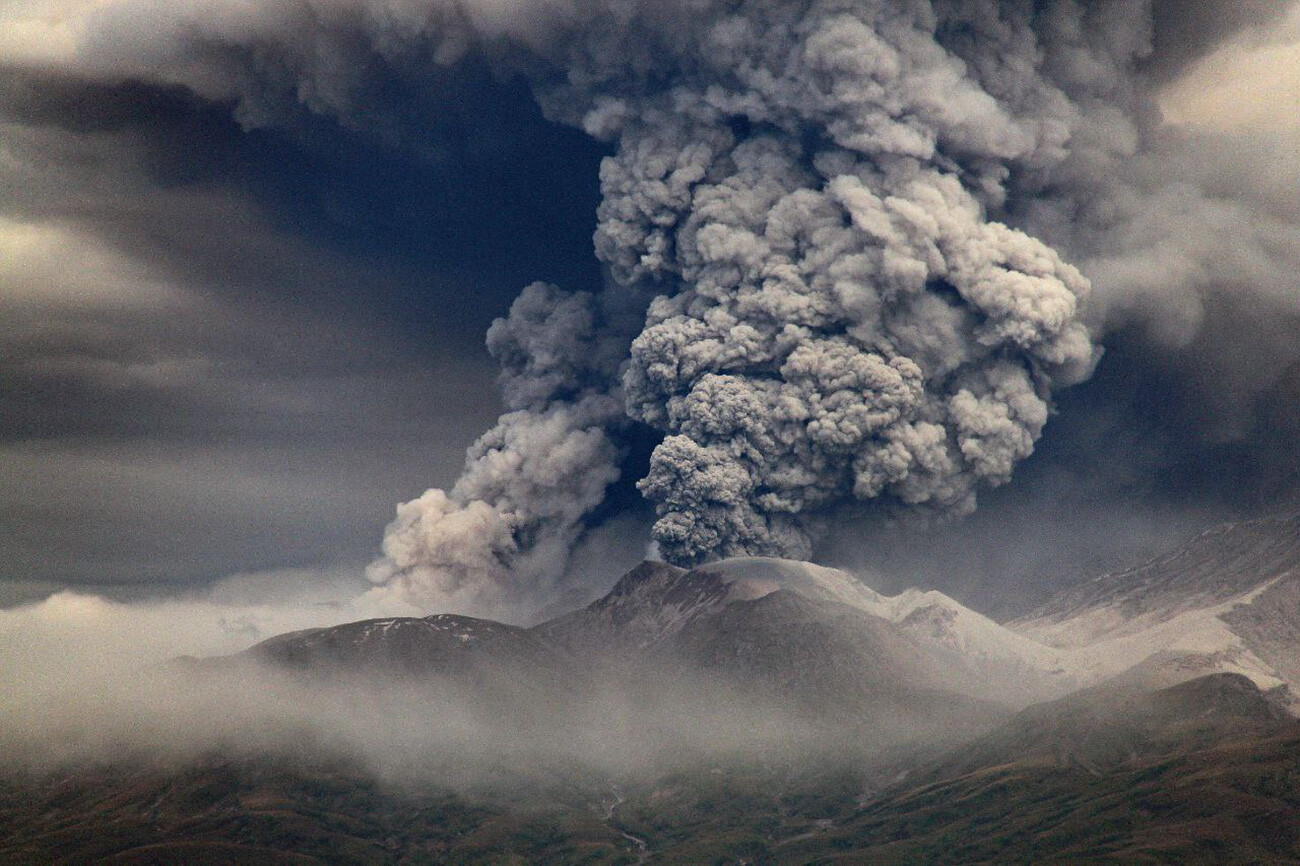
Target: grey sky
(230,347)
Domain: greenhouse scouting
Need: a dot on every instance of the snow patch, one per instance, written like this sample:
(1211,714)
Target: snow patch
(1102,642)
(929,615)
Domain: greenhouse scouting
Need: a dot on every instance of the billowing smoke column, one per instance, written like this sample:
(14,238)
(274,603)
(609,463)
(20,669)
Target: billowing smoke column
(803,190)
(825,225)
(506,529)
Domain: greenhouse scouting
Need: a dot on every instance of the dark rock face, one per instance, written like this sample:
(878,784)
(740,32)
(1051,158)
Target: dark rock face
(648,605)
(409,645)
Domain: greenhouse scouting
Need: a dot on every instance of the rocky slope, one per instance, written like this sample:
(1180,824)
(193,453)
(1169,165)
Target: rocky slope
(1227,601)
(935,642)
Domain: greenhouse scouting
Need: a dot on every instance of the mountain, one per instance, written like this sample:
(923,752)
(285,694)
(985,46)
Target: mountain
(821,644)
(225,809)
(1227,601)
(1104,726)
(933,639)
(1221,564)
(747,653)
(1201,772)
(750,710)
(442,643)
(762,620)
(1204,772)
(646,606)
(849,675)
(810,650)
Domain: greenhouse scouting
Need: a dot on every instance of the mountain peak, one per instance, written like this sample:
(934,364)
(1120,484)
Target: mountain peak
(648,604)
(649,577)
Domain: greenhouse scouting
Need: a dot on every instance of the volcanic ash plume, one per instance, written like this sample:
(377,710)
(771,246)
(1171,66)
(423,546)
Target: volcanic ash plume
(802,189)
(505,530)
(823,227)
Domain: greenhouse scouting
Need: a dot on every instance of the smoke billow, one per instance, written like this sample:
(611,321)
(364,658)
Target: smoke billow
(517,510)
(845,245)
(803,192)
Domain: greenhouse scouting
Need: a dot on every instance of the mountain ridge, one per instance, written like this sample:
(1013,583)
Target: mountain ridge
(651,609)
(788,714)
(1218,564)
(1223,602)
(1228,600)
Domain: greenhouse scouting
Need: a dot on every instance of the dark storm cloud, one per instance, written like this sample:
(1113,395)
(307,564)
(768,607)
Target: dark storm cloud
(332,177)
(361,201)
(228,350)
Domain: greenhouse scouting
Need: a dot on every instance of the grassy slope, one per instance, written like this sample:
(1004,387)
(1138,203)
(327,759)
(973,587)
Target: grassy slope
(1232,802)
(1199,773)
(247,811)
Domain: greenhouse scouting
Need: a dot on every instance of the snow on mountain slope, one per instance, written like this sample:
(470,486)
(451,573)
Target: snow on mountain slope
(1226,602)
(754,576)
(1195,642)
(654,603)
(1221,565)
(928,616)
(943,620)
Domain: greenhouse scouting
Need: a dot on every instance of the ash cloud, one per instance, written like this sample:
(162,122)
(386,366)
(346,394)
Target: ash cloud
(833,315)
(820,199)
(852,250)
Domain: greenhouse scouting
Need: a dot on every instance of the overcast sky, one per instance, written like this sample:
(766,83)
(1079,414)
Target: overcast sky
(230,350)
(232,347)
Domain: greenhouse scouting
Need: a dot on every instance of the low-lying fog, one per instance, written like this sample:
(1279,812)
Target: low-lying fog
(90,681)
